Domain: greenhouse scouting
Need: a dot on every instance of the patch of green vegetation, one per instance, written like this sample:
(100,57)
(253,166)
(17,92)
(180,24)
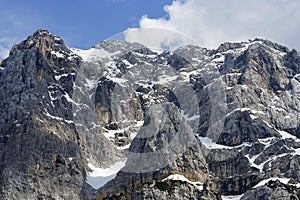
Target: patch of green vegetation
(164,186)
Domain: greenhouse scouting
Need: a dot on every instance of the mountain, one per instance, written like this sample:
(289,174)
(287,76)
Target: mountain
(122,121)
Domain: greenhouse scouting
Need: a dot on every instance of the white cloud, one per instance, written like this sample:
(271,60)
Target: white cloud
(212,22)
(4,51)
(10,29)
(157,38)
(5,46)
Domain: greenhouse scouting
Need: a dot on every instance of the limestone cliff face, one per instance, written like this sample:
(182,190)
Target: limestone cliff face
(247,127)
(191,123)
(37,139)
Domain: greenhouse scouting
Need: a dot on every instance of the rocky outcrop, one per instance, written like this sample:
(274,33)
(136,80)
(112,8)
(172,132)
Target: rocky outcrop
(272,190)
(40,149)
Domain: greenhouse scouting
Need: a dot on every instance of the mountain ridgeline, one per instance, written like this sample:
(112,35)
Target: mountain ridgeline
(122,121)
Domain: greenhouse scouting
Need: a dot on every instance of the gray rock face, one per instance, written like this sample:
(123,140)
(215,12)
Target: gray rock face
(272,190)
(191,123)
(37,138)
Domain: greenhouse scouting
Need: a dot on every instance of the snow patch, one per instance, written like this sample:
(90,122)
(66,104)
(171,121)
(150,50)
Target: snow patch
(219,59)
(69,99)
(286,135)
(253,116)
(58,54)
(57,77)
(90,84)
(132,129)
(267,141)
(100,176)
(258,112)
(263,182)
(252,164)
(210,144)
(119,81)
(231,197)
(129,65)
(164,79)
(124,147)
(278,109)
(269,161)
(57,118)
(179,177)
(230,113)
(297,185)
(93,54)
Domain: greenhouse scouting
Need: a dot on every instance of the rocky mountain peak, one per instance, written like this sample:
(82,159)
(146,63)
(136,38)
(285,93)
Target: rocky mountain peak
(271,44)
(120,121)
(113,46)
(50,46)
(227,46)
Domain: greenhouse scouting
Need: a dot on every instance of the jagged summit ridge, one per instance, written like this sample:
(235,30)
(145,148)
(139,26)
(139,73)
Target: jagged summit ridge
(48,44)
(237,45)
(230,121)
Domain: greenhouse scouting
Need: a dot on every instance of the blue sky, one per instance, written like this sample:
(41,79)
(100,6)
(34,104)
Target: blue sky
(83,23)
